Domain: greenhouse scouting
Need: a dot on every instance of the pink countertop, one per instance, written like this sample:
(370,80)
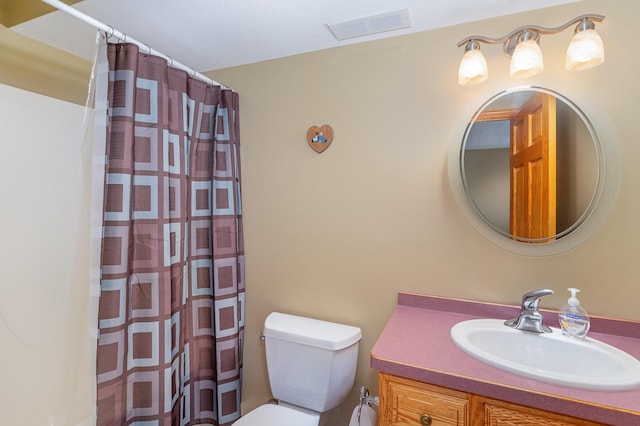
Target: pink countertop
(416,344)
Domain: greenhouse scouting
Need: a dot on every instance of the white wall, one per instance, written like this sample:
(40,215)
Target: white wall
(44,323)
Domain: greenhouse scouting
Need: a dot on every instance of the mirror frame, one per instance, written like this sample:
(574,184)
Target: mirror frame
(603,198)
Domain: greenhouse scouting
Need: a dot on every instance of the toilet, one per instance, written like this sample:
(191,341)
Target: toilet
(312,368)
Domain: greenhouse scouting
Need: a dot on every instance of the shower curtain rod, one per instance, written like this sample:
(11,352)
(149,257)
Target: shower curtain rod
(112,32)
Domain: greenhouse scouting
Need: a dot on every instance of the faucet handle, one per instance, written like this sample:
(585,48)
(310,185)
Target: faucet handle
(531,300)
(530,319)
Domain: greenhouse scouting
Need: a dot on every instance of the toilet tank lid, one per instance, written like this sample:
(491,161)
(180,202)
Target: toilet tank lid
(312,332)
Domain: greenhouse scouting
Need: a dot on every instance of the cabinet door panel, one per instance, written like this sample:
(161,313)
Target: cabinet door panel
(407,403)
(500,413)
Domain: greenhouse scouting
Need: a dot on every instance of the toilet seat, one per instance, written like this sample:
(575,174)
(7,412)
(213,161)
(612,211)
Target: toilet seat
(277,415)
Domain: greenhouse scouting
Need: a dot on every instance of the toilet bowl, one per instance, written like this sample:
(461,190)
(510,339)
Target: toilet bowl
(311,365)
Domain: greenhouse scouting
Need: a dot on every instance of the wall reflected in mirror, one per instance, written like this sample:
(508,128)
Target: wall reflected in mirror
(530,164)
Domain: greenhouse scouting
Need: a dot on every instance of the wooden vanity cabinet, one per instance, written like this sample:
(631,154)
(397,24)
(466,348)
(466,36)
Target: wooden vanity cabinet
(405,402)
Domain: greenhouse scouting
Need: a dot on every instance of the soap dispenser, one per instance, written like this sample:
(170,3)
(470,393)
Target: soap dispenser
(573,319)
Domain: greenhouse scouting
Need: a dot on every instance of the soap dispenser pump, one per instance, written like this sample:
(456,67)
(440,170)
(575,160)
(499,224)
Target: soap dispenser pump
(573,319)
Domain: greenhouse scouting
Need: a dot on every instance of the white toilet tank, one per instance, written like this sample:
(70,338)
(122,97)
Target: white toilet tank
(311,363)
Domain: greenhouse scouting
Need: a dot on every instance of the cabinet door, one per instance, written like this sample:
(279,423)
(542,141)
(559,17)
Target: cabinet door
(500,413)
(406,402)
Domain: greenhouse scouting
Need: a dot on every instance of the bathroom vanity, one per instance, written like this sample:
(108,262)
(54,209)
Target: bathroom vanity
(426,380)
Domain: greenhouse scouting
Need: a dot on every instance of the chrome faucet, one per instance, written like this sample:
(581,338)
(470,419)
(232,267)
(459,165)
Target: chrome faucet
(530,319)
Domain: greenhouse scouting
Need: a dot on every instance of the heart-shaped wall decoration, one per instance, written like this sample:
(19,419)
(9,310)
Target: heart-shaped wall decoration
(319,138)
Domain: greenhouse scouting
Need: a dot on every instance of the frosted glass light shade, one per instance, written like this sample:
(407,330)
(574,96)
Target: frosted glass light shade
(473,68)
(526,60)
(586,50)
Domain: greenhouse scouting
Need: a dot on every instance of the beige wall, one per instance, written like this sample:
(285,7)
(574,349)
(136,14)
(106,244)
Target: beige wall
(34,66)
(337,235)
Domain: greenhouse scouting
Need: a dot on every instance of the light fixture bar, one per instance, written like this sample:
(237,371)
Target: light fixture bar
(585,51)
(511,40)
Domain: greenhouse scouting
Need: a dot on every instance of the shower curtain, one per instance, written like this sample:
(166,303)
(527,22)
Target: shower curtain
(171,304)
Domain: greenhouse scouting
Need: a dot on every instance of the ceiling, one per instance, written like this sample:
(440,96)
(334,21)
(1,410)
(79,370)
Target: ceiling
(213,34)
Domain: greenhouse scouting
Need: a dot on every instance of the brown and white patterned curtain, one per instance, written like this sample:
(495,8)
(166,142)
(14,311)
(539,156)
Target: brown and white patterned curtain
(171,311)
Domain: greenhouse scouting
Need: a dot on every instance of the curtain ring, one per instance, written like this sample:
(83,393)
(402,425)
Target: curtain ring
(194,73)
(111,32)
(170,62)
(148,47)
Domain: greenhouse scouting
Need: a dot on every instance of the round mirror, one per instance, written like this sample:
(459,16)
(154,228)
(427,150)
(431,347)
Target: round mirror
(532,170)
(531,165)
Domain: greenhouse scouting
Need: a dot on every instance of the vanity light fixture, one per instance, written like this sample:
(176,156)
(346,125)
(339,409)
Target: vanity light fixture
(522,45)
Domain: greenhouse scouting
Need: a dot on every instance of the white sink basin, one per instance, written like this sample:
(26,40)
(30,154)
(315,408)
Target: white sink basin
(549,357)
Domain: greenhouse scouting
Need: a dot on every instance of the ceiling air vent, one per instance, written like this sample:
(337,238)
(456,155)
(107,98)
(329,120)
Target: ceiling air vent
(373,24)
